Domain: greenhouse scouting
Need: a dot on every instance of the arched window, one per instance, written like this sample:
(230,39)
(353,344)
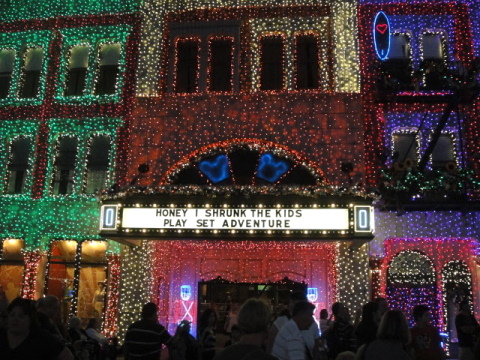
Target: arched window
(77,70)
(411,275)
(64,165)
(98,159)
(108,68)
(18,165)
(31,70)
(7,62)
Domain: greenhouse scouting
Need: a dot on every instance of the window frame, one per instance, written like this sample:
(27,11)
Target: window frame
(27,177)
(89,142)
(204,31)
(417,137)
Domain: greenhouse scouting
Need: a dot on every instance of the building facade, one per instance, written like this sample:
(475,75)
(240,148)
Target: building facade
(198,153)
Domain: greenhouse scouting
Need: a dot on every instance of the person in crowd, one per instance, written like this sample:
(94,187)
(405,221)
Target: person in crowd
(104,347)
(25,340)
(231,318)
(289,343)
(206,334)
(310,335)
(382,306)
(393,335)
(144,338)
(93,332)
(467,329)
(253,319)
(325,322)
(340,337)
(425,338)
(82,347)
(234,336)
(183,345)
(3,308)
(366,331)
(346,355)
(48,308)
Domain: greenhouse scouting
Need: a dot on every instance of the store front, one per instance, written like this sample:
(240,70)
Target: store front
(209,251)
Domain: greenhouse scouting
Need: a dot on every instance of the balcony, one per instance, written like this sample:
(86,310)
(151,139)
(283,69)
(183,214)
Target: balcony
(404,186)
(435,81)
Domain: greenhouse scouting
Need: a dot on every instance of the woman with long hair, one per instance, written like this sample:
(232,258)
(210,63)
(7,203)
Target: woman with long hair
(393,335)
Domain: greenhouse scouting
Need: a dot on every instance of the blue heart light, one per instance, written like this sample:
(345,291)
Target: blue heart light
(271,168)
(216,169)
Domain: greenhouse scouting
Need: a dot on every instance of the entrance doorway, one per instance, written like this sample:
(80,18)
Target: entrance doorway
(225,297)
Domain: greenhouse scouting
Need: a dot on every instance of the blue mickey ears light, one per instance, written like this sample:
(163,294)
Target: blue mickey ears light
(216,169)
(271,168)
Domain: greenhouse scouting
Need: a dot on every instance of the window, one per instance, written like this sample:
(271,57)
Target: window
(400,47)
(186,65)
(221,64)
(434,64)
(108,68)
(307,62)
(12,267)
(271,62)
(64,166)
(18,165)
(432,45)
(7,61)
(405,146)
(97,164)
(31,70)
(443,153)
(203,57)
(77,70)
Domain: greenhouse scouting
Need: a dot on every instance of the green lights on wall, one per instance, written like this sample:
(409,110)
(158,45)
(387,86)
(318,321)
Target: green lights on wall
(26,9)
(19,43)
(92,38)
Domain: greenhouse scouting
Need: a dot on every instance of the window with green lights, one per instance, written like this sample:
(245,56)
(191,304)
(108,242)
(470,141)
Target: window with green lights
(7,63)
(31,70)
(98,161)
(64,165)
(18,165)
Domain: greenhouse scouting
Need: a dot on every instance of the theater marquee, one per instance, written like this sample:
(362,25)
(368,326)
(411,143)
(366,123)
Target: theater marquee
(232,220)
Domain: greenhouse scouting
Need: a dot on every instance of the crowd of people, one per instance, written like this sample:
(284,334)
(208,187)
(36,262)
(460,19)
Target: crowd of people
(31,331)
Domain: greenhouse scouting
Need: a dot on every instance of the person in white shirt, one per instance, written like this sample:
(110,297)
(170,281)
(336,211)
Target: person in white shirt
(311,335)
(289,342)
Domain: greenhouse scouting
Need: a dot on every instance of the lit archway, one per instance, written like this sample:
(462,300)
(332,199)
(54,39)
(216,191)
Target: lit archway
(410,282)
(244,162)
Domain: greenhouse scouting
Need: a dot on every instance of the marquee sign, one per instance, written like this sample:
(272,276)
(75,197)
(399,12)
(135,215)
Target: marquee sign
(187,220)
(381,35)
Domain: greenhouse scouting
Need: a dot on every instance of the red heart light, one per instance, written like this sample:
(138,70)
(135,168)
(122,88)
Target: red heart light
(382,28)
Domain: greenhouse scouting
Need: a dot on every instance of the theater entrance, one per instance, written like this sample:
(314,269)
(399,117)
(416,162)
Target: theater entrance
(225,297)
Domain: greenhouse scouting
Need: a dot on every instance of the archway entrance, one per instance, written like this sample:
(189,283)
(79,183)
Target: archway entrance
(410,282)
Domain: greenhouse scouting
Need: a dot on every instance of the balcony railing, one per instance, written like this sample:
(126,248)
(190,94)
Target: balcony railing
(432,79)
(447,186)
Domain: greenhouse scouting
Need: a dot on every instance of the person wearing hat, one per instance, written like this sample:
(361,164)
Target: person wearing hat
(183,345)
